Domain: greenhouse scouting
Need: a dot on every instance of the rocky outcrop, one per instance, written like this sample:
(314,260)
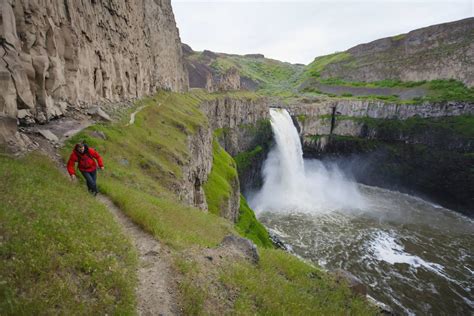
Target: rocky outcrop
(195,173)
(239,118)
(422,149)
(442,51)
(63,55)
(229,81)
(203,73)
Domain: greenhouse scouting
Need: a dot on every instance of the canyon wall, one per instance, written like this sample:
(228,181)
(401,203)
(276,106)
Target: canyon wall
(58,56)
(239,125)
(442,51)
(422,149)
(239,118)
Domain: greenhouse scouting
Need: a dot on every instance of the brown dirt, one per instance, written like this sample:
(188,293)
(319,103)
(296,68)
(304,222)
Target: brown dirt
(157,283)
(157,288)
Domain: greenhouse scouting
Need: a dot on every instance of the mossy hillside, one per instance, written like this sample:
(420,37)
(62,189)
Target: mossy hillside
(271,75)
(61,250)
(221,180)
(249,227)
(143,164)
(282,284)
(315,68)
(139,187)
(442,90)
(218,190)
(453,128)
(244,160)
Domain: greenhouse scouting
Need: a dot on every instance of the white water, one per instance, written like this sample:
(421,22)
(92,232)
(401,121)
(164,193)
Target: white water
(413,255)
(290,183)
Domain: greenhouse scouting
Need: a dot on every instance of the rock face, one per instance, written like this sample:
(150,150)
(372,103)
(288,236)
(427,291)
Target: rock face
(238,117)
(441,51)
(203,74)
(243,245)
(58,55)
(423,149)
(196,172)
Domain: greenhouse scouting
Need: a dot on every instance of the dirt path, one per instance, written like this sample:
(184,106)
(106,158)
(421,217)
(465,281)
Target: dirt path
(132,116)
(156,291)
(156,288)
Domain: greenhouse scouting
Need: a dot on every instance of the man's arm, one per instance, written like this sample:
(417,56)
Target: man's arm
(97,157)
(71,165)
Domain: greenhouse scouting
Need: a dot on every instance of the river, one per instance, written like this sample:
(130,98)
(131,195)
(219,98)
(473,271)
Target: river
(412,255)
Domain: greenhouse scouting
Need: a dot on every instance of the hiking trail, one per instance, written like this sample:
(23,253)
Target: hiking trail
(156,288)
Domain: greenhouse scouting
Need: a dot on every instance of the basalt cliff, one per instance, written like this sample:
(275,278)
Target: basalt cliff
(62,56)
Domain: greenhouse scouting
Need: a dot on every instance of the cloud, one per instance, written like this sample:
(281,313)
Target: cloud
(298,31)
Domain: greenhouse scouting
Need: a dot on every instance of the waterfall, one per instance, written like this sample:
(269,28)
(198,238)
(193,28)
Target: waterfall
(293,184)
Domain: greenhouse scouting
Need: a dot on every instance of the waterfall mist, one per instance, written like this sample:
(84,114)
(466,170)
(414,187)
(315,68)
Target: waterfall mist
(292,184)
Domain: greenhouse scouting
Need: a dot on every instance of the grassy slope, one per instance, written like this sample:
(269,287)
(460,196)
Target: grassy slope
(143,163)
(218,190)
(153,148)
(61,250)
(218,187)
(438,90)
(274,77)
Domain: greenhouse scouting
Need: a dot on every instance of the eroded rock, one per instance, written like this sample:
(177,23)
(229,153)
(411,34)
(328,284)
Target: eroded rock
(46,133)
(243,245)
(57,56)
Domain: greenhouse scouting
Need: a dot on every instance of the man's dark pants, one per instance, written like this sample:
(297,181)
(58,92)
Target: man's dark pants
(91,178)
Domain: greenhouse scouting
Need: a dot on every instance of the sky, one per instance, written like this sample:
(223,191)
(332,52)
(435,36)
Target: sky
(298,31)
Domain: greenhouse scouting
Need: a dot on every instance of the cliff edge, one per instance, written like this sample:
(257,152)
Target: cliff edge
(63,55)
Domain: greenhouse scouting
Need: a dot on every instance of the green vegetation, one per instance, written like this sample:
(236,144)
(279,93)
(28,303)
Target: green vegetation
(143,165)
(61,250)
(301,118)
(219,189)
(222,179)
(315,68)
(449,90)
(399,37)
(64,252)
(437,90)
(244,159)
(271,75)
(282,284)
(388,83)
(249,227)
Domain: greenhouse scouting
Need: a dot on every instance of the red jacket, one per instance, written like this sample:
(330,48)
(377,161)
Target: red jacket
(86,163)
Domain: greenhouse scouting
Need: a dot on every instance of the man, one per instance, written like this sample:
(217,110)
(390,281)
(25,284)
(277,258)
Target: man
(86,158)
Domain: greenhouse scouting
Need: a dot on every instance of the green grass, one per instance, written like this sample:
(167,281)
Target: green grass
(143,177)
(388,83)
(315,68)
(462,125)
(143,170)
(221,181)
(249,227)
(282,284)
(270,74)
(61,250)
(449,90)
(219,188)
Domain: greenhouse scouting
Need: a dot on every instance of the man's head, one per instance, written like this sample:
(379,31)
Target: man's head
(80,148)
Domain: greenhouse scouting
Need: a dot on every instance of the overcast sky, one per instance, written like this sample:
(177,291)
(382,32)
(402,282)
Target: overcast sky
(298,31)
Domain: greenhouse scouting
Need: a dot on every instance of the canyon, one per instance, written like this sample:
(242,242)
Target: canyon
(395,113)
